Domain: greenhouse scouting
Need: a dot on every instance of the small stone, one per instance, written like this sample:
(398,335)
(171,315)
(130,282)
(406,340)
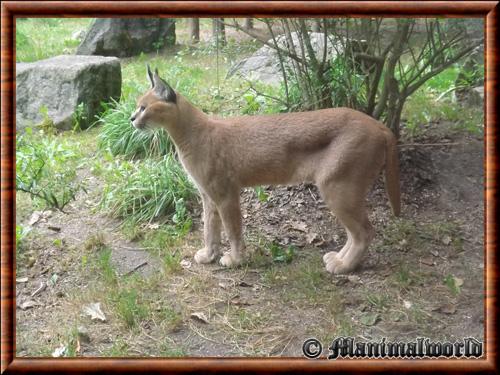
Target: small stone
(83,334)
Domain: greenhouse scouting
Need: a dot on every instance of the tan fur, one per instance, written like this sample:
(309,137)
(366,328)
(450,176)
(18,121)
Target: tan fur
(341,150)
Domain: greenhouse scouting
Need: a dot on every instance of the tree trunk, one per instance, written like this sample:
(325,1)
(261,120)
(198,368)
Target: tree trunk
(194,30)
(248,23)
(316,27)
(219,31)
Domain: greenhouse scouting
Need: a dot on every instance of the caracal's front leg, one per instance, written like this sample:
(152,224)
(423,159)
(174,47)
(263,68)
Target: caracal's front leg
(229,210)
(211,232)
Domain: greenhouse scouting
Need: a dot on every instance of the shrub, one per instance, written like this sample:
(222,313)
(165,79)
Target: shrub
(142,191)
(45,169)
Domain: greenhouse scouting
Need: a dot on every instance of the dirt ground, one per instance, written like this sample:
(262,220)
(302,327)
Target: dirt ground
(422,276)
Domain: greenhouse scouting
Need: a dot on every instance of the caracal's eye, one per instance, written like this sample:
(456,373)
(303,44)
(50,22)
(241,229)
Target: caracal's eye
(142,108)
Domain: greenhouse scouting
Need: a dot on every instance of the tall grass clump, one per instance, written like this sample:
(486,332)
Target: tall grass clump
(119,137)
(146,190)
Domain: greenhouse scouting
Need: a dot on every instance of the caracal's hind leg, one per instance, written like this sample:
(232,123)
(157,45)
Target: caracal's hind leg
(230,212)
(211,232)
(346,200)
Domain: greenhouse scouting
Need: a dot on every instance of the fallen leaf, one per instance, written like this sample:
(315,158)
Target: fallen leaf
(407,304)
(311,237)
(35,217)
(153,226)
(256,288)
(21,280)
(369,319)
(59,352)
(446,240)
(28,305)
(199,316)
(300,226)
(186,264)
(458,281)
(435,253)
(224,285)
(355,279)
(94,311)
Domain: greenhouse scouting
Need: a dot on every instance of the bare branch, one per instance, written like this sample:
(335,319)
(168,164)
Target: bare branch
(265,42)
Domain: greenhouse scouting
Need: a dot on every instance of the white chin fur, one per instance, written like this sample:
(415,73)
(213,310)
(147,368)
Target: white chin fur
(137,125)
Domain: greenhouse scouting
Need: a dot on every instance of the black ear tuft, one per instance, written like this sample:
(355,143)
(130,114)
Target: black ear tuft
(150,76)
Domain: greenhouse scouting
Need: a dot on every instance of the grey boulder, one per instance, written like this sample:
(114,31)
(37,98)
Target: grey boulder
(65,88)
(264,64)
(125,37)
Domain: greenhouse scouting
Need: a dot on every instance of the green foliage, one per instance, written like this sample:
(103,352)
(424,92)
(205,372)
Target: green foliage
(142,191)
(281,254)
(347,86)
(119,136)
(261,194)
(105,266)
(129,308)
(163,242)
(453,285)
(79,117)
(434,102)
(169,350)
(118,349)
(21,233)
(45,169)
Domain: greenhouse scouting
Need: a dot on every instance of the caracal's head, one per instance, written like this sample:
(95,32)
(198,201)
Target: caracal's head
(157,107)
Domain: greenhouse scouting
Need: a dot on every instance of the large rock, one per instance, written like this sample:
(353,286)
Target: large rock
(264,64)
(124,37)
(67,86)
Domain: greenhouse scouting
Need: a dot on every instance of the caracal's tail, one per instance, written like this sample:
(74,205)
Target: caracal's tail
(392,173)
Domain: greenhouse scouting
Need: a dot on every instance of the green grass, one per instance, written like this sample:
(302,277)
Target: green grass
(118,349)
(142,191)
(41,38)
(105,266)
(164,242)
(119,137)
(426,107)
(130,308)
(167,349)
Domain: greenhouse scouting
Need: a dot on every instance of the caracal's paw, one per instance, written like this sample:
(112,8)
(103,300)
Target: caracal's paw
(335,265)
(229,260)
(202,256)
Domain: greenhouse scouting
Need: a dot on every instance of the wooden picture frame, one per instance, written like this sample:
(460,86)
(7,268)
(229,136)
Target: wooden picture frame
(12,9)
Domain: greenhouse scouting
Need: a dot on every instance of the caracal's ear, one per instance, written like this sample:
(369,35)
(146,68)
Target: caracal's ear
(163,89)
(150,76)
